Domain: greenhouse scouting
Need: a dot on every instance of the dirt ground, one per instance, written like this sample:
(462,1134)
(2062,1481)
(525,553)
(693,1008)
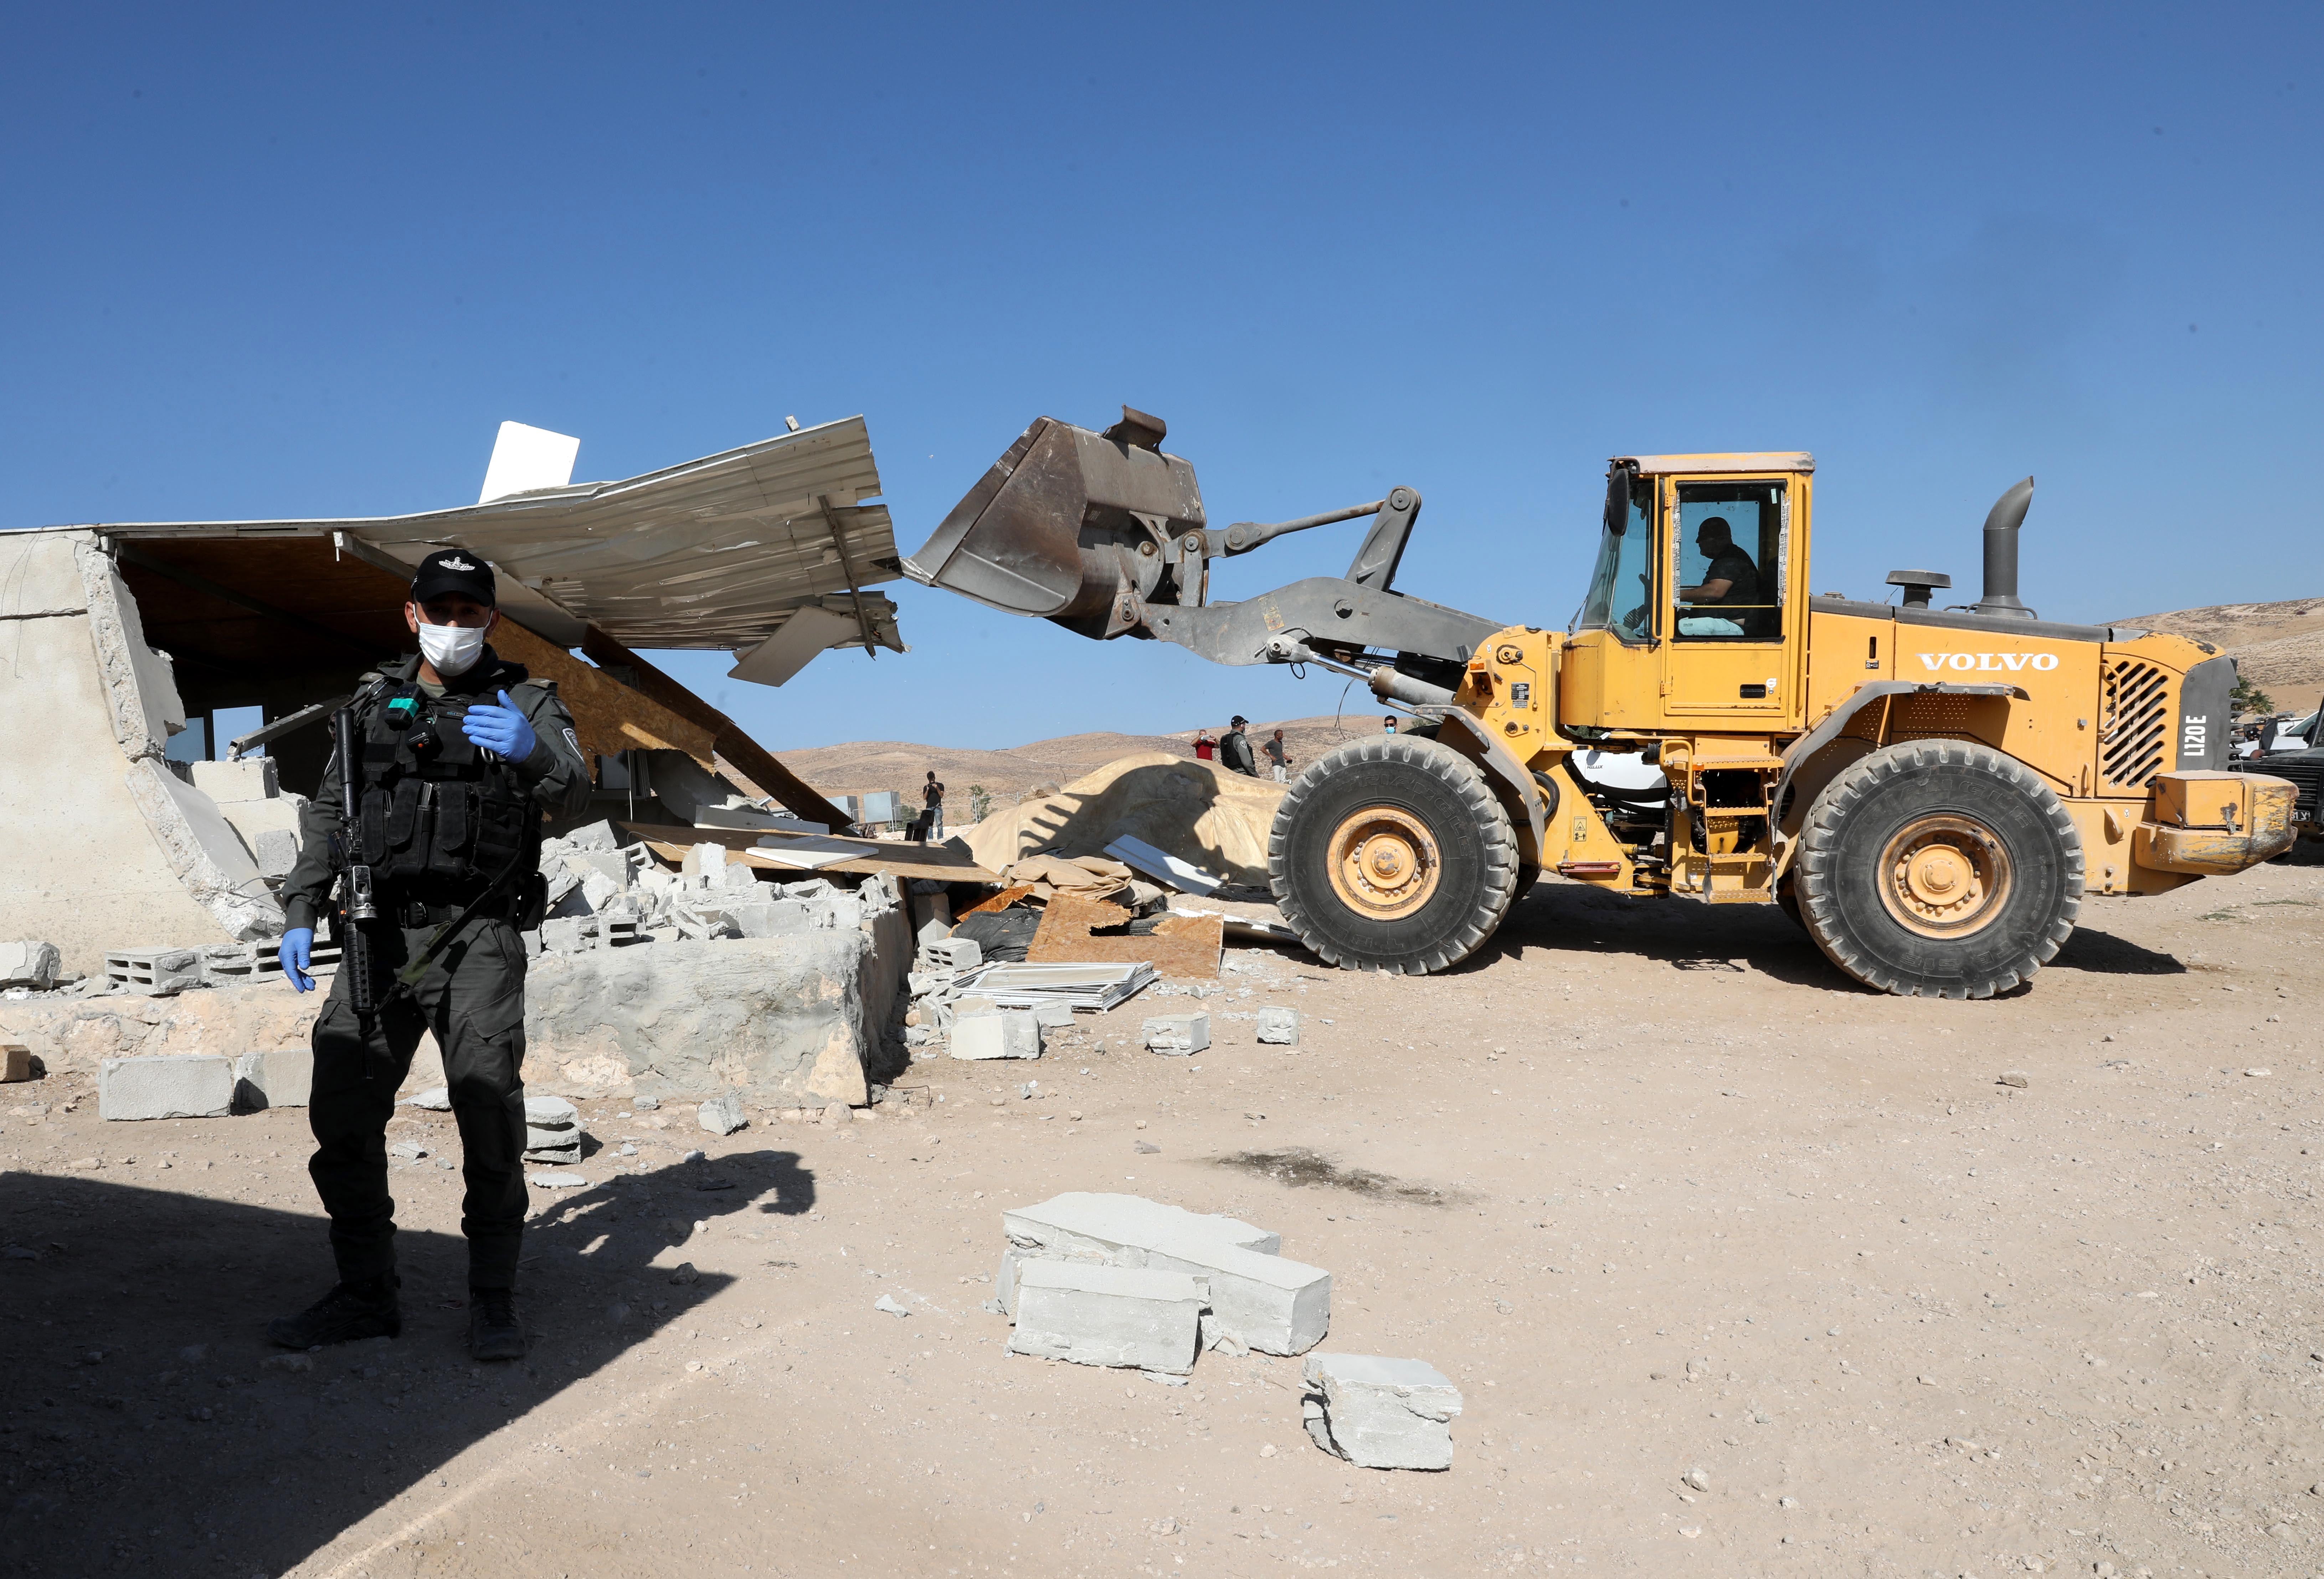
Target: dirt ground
(1654,1185)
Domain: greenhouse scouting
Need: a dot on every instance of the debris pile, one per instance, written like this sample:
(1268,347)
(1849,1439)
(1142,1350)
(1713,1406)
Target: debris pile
(605,893)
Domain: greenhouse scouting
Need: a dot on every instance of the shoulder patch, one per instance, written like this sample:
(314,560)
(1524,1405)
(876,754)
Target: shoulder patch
(573,740)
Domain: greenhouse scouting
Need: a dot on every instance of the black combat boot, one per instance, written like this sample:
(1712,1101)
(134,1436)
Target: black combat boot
(366,1309)
(494,1331)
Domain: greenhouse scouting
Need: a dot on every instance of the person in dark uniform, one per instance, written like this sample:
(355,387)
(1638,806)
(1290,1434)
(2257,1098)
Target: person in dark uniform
(459,753)
(1731,578)
(1234,750)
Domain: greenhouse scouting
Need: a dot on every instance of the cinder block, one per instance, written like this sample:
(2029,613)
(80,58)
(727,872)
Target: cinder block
(722,1115)
(16,1062)
(1177,1035)
(29,964)
(249,779)
(156,973)
(1276,1305)
(951,954)
(276,852)
(1279,1028)
(179,1086)
(281,1078)
(1009,1034)
(1381,1413)
(1107,1315)
(704,860)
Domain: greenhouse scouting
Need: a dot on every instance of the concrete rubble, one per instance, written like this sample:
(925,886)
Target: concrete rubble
(1096,1314)
(1380,1413)
(1278,1027)
(722,1115)
(1254,1296)
(552,1130)
(30,964)
(1176,1035)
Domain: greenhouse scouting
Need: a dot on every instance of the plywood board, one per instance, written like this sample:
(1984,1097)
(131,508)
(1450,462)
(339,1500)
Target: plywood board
(1075,930)
(933,862)
(609,717)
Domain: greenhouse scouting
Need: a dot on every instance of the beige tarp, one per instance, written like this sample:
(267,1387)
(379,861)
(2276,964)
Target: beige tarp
(1197,811)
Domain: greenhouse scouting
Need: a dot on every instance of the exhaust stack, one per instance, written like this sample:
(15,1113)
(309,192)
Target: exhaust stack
(2001,524)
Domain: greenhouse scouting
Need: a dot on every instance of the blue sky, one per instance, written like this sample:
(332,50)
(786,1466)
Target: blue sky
(297,261)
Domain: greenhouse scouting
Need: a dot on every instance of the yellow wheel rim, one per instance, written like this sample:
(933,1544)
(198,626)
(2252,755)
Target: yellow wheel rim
(1944,876)
(1385,862)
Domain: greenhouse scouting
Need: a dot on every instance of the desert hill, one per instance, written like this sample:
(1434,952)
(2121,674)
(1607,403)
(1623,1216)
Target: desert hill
(2278,647)
(865,766)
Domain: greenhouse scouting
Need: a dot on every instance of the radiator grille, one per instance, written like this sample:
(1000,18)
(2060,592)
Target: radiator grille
(2133,722)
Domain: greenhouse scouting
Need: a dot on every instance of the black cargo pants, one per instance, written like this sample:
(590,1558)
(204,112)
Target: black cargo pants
(473,999)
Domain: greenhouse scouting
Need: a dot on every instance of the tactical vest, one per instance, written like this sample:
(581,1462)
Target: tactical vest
(438,815)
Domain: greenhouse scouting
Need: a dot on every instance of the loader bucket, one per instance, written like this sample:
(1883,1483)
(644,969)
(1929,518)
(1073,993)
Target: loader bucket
(1066,522)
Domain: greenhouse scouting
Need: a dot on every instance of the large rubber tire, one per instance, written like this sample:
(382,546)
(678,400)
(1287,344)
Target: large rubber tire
(1939,868)
(1387,800)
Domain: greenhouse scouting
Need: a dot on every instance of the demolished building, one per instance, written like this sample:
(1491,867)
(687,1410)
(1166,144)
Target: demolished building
(121,638)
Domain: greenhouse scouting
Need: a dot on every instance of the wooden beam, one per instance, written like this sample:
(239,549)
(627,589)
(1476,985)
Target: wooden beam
(766,774)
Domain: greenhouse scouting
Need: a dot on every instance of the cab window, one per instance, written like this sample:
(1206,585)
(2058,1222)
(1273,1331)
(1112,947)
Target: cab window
(1621,587)
(1730,542)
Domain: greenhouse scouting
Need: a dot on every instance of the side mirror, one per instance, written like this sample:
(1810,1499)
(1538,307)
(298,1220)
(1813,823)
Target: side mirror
(1617,500)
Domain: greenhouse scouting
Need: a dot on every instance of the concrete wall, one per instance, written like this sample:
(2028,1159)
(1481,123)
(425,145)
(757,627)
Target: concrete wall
(101,852)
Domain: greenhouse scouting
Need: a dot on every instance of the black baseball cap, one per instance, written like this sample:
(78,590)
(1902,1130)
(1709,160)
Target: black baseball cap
(454,570)
(1240,721)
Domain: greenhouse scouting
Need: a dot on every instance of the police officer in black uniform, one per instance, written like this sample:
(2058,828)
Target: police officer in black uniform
(458,755)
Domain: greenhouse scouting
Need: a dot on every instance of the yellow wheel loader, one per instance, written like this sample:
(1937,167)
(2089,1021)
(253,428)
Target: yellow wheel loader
(1928,792)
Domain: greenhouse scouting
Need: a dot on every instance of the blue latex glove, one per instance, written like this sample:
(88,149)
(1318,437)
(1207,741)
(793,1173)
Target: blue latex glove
(500,729)
(297,953)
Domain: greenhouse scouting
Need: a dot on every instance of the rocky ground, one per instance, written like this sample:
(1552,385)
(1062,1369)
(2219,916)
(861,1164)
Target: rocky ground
(1742,1271)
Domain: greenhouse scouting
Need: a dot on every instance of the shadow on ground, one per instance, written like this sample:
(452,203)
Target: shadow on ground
(1682,934)
(144,1430)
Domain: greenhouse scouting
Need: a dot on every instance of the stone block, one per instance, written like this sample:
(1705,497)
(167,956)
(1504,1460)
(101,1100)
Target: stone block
(29,964)
(177,1085)
(1381,1413)
(1107,1315)
(568,934)
(1277,1306)
(777,917)
(1009,1034)
(595,836)
(249,779)
(722,1115)
(16,1062)
(1052,1016)
(1177,1035)
(276,853)
(1278,1027)
(951,954)
(705,861)
(281,1077)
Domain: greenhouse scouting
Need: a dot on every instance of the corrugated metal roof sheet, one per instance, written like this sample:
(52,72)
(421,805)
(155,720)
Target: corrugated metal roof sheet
(715,553)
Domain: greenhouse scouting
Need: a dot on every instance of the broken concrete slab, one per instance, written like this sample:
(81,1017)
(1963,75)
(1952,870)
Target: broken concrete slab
(247,779)
(1099,1223)
(1278,1027)
(1176,1035)
(1108,1316)
(30,964)
(1004,1034)
(280,1077)
(1275,1305)
(179,1086)
(722,1115)
(1381,1413)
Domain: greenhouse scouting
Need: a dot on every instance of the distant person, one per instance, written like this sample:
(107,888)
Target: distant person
(934,796)
(1205,748)
(1234,750)
(1278,758)
(1387,724)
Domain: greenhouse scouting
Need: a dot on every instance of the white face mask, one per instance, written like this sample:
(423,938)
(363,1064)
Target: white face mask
(451,650)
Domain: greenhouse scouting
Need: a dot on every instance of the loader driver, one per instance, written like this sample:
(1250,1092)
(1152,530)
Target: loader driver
(1731,579)
(459,752)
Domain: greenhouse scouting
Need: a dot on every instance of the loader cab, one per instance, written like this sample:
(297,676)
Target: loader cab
(1695,618)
